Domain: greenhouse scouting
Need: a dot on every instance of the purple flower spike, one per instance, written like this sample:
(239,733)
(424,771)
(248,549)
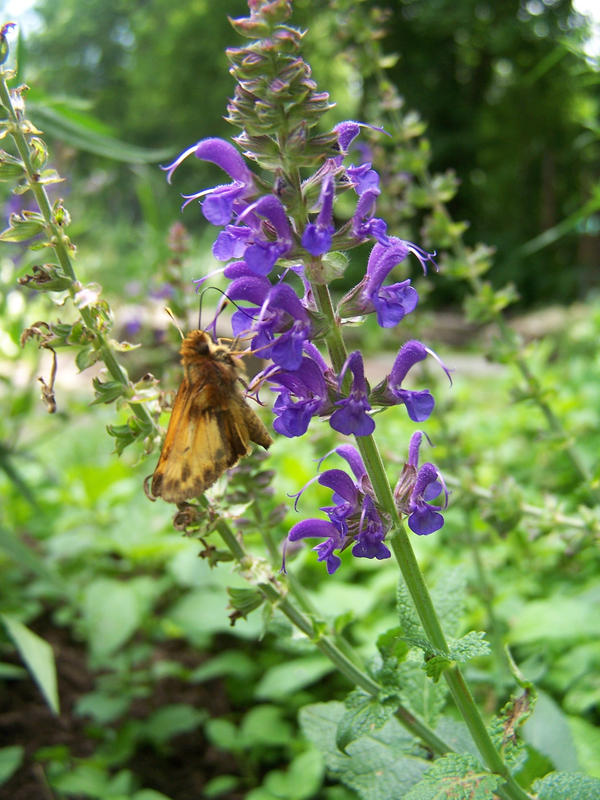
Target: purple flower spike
(351,417)
(354,519)
(170,168)
(221,202)
(425,517)
(317,235)
(231,243)
(348,131)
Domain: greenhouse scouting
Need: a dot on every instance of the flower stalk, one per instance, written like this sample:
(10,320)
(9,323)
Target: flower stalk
(413,576)
(53,227)
(275,594)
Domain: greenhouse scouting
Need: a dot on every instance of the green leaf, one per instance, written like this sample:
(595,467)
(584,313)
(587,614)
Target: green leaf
(379,766)
(223,733)
(86,357)
(171,720)
(567,786)
(112,611)
(558,618)
(220,786)
(107,391)
(455,776)
(409,619)
(27,558)
(11,759)
(21,230)
(469,646)
(301,780)
(280,681)
(364,714)
(81,131)
(504,728)
(244,601)
(265,724)
(586,737)
(38,657)
(232,663)
(547,729)
(423,697)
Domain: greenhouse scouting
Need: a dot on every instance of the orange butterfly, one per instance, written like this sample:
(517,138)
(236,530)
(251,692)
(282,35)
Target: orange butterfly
(211,424)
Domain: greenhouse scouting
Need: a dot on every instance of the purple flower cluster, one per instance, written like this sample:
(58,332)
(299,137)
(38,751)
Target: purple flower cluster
(257,234)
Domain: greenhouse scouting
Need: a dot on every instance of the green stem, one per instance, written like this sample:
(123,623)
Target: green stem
(410,569)
(60,243)
(347,667)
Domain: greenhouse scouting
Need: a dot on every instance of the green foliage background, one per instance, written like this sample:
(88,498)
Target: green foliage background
(511,105)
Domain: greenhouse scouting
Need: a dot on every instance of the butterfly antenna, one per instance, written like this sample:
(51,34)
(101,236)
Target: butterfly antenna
(174,321)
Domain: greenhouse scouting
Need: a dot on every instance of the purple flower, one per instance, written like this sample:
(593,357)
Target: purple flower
(419,404)
(351,417)
(220,202)
(280,312)
(391,303)
(415,489)
(353,517)
(364,224)
(264,237)
(317,235)
(372,531)
(303,394)
(363,178)
(347,132)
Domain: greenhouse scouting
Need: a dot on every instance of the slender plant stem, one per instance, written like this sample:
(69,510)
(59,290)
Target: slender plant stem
(411,572)
(275,595)
(60,242)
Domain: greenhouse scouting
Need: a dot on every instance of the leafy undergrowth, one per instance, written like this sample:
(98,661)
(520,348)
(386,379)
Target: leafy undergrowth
(161,697)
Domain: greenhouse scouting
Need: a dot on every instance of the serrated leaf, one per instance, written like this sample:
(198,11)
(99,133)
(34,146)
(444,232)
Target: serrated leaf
(455,777)
(37,655)
(436,665)
(379,766)
(471,645)
(567,786)
(364,714)
(392,645)
(423,697)
(504,728)
(448,596)
(409,619)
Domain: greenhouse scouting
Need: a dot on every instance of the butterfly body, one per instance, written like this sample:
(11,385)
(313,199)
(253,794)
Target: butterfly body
(211,424)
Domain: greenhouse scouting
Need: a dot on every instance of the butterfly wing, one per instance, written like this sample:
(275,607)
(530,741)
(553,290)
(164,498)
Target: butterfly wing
(206,436)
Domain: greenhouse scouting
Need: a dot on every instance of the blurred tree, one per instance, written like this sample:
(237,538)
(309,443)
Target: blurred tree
(511,104)
(506,92)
